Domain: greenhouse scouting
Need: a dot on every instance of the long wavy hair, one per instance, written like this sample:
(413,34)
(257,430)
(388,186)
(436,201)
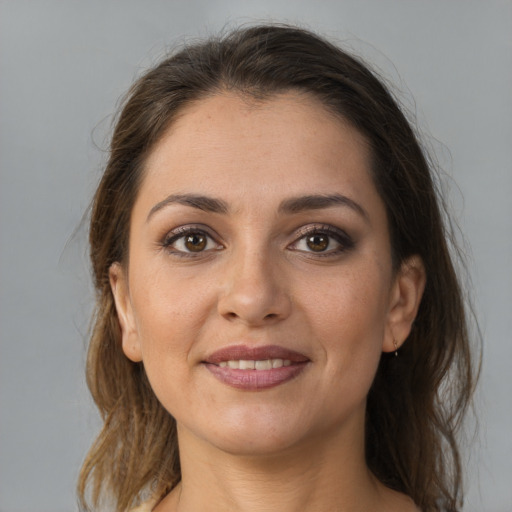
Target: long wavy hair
(417,401)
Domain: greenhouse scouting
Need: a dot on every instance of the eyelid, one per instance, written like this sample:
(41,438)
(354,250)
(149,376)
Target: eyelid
(181,231)
(344,240)
(340,236)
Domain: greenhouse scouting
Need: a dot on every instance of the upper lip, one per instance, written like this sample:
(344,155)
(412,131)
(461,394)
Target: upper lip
(247,353)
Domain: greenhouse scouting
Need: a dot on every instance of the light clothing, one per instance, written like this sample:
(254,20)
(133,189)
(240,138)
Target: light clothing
(144,507)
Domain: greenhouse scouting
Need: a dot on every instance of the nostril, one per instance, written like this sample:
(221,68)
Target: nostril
(253,305)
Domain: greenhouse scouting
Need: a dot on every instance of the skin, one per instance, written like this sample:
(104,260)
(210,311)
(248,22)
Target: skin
(298,445)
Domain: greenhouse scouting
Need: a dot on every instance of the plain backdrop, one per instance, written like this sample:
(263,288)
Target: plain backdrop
(63,66)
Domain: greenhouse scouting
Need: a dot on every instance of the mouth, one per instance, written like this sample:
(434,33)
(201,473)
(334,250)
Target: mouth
(258,365)
(255,368)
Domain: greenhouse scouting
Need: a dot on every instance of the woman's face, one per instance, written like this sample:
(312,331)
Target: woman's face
(259,290)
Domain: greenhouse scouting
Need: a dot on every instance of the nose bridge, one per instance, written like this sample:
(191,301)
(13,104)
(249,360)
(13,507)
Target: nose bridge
(254,291)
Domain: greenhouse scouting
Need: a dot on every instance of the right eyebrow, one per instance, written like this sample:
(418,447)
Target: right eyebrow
(318,202)
(205,203)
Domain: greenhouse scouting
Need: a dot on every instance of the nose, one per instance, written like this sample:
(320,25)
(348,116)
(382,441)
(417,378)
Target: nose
(254,291)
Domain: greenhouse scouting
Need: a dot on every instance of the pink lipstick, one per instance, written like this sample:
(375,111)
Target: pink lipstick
(255,368)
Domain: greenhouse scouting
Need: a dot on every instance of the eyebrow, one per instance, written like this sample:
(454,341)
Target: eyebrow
(292,205)
(205,203)
(319,202)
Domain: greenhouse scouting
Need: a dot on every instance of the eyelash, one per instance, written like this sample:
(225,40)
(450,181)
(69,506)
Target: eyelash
(180,233)
(341,238)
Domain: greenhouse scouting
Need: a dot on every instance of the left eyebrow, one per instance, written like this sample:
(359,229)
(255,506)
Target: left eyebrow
(205,203)
(319,202)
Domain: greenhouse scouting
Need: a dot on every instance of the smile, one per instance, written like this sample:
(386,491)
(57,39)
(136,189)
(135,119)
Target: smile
(255,368)
(264,364)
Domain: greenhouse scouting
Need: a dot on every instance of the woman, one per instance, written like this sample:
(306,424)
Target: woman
(279,325)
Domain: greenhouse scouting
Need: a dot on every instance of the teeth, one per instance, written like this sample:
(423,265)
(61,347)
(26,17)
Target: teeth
(262,365)
(265,364)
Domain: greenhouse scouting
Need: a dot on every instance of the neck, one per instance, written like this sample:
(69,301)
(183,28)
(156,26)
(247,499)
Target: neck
(321,474)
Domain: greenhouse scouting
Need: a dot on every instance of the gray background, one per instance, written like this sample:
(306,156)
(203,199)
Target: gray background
(64,64)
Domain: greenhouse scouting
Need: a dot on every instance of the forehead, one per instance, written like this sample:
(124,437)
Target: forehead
(238,148)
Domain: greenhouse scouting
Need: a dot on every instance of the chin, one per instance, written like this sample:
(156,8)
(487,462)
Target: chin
(251,433)
(256,444)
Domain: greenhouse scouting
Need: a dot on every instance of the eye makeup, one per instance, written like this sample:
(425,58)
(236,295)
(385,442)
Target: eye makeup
(322,240)
(313,240)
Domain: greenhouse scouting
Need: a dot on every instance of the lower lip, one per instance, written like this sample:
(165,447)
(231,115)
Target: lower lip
(255,380)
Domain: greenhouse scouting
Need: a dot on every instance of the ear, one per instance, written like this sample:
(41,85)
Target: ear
(406,294)
(129,333)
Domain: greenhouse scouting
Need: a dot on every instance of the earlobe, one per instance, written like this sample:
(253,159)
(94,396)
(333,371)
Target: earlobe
(406,297)
(129,335)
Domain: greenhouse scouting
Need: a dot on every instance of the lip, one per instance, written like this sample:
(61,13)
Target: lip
(255,380)
(237,352)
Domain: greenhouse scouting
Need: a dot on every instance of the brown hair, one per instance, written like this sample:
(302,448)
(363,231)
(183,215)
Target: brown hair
(417,400)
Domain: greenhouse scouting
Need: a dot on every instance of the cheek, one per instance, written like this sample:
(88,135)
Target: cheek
(166,331)
(348,317)
(166,314)
(350,301)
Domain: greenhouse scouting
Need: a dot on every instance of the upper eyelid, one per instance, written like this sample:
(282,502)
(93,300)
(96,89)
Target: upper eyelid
(297,233)
(340,235)
(321,228)
(173,236)
(179,231)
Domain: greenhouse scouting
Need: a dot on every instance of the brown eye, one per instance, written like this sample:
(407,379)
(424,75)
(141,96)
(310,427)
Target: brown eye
(189,240)
(318,242)
(322,241)
(196,242)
